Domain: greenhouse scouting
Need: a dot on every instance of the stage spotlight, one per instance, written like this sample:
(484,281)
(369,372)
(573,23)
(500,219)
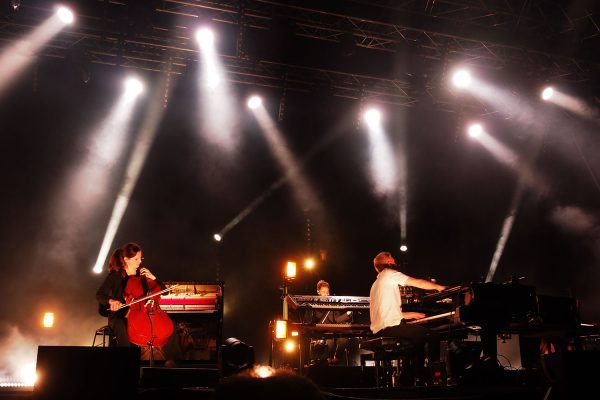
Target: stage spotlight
(133,87)
(65,15)
(547,93)
(48,321)
(309,263)
(262,371)
(475,130)
(235,356)
(254,102)
(403,248)
(15,4)
(205,37)
(372,116)
(217,237)
(461,78)
(290,346)
(290,270)
(280,329)
(27,374)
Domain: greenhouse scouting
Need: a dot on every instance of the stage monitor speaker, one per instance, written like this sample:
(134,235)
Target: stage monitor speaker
(75,372)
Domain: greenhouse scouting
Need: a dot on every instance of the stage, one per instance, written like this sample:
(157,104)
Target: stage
(336,382)
(244,153)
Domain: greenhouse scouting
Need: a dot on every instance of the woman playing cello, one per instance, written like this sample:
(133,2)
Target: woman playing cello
(123,284)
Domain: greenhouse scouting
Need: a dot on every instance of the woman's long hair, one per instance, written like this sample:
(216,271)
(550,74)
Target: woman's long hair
(130,249)
(117,258)
(116,263)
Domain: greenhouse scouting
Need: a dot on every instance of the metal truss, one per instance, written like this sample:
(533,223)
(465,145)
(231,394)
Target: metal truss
(488,34)
(474,32)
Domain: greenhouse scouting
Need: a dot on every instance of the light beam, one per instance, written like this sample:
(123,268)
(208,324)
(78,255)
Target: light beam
(218,117)
(303,192)
(15,58)
(383,167)
(134,167)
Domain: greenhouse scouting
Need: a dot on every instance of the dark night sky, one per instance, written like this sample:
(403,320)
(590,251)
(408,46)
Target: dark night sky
(458,197)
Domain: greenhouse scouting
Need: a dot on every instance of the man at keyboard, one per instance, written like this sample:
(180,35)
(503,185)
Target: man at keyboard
(387,318)
(329,349)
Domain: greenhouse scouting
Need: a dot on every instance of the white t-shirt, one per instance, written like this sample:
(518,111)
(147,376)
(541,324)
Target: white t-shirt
(386,303)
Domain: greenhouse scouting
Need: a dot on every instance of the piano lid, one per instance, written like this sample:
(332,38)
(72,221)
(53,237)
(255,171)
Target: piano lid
(449,292)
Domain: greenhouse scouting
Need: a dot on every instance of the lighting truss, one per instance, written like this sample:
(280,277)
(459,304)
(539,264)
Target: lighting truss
(482,34)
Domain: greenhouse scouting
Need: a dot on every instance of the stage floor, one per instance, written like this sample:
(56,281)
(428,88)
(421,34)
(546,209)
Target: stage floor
(199,383)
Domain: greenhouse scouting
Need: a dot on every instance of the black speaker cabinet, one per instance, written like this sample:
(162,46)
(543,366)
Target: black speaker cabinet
(75,372)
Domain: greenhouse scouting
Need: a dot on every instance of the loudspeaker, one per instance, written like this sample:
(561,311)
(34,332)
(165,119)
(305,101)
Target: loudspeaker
(76,372)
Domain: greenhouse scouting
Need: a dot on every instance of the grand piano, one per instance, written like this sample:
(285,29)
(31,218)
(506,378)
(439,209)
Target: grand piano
(491,309)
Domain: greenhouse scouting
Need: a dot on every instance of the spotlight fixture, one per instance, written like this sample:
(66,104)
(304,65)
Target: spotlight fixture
(217,237)
(133,86)
(254,102)
(547,93)
(262,371)
(403,248)
(280,329)
(475,130)
(205,37)
(27,375)
(290,345)
(290,270)
(48,320)
(461,78)
(65,15)
(235,356)
(372,116)
(309,263)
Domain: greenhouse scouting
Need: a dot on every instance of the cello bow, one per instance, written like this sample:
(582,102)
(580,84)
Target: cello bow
(147,297)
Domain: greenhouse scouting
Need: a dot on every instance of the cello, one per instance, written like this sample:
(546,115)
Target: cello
(147,323)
